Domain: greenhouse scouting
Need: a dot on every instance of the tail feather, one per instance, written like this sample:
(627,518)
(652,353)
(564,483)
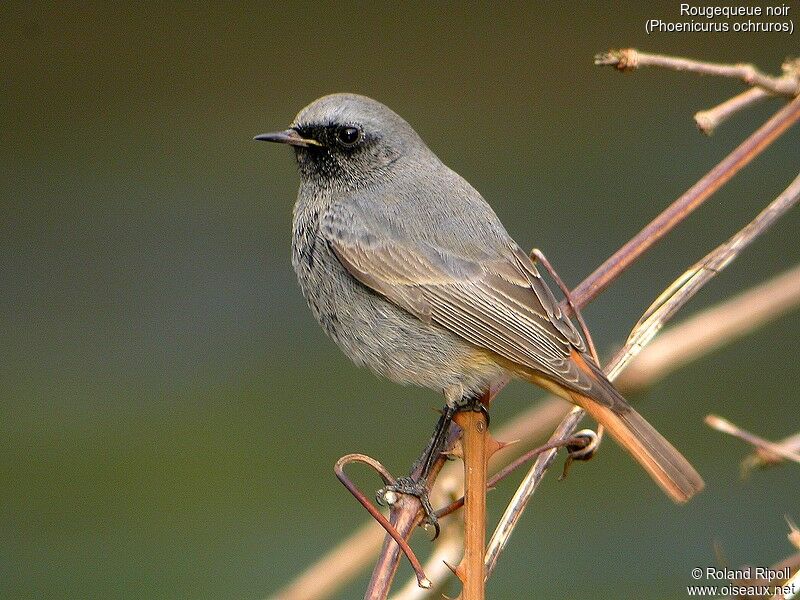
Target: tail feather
(659,458)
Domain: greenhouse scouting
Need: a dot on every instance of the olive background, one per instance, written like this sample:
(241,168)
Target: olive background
(170,412)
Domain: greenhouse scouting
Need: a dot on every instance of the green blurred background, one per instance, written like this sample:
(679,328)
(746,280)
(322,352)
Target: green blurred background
(169,411)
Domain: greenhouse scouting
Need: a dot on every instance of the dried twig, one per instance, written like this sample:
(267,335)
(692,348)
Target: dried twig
(708,120)
(422,580)
(761,459)
(600,279)
(694,278)
(725,426)
(629,59)
(787,85)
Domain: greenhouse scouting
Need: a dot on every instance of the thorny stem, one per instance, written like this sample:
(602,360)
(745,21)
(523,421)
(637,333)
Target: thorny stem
(474,443)
(509,469)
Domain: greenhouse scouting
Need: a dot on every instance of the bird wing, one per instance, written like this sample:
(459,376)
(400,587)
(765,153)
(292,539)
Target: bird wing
(500,304)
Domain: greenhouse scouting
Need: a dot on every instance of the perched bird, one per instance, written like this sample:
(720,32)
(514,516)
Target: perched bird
(411,273)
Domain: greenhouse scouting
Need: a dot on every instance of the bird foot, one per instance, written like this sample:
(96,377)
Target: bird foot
(387,496)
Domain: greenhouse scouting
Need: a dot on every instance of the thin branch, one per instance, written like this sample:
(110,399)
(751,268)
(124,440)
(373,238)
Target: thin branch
(422,580)
(406,514)
(629,59)
(725,426)
(708,120)
(405,517)
(787,85)
(694,278)
(515,508)
(761,459)
(665,307)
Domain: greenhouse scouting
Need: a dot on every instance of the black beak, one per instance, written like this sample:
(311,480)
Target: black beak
(290,136)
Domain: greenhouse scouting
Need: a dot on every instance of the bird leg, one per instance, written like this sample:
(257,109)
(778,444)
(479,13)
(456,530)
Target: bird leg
(416,483)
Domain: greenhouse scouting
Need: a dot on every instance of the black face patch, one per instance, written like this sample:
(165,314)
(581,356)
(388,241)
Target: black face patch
(349,155)
(331,160)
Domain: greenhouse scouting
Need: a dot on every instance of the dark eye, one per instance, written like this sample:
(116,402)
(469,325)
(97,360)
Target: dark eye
(349,135)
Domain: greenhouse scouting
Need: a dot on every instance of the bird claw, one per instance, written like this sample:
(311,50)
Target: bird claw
(418,489)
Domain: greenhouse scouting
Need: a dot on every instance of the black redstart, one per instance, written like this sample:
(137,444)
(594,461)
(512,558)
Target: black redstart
(411,273)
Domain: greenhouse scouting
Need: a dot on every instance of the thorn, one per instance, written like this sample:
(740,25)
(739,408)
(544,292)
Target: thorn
(491,445)
(507,444)
(494,445)
(457,451)
(457,571)
(453,569)
(460,572)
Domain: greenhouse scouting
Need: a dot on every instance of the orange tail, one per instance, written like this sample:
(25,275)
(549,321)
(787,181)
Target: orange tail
(661,460)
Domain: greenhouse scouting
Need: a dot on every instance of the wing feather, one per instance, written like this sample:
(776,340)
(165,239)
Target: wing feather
(501,305)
